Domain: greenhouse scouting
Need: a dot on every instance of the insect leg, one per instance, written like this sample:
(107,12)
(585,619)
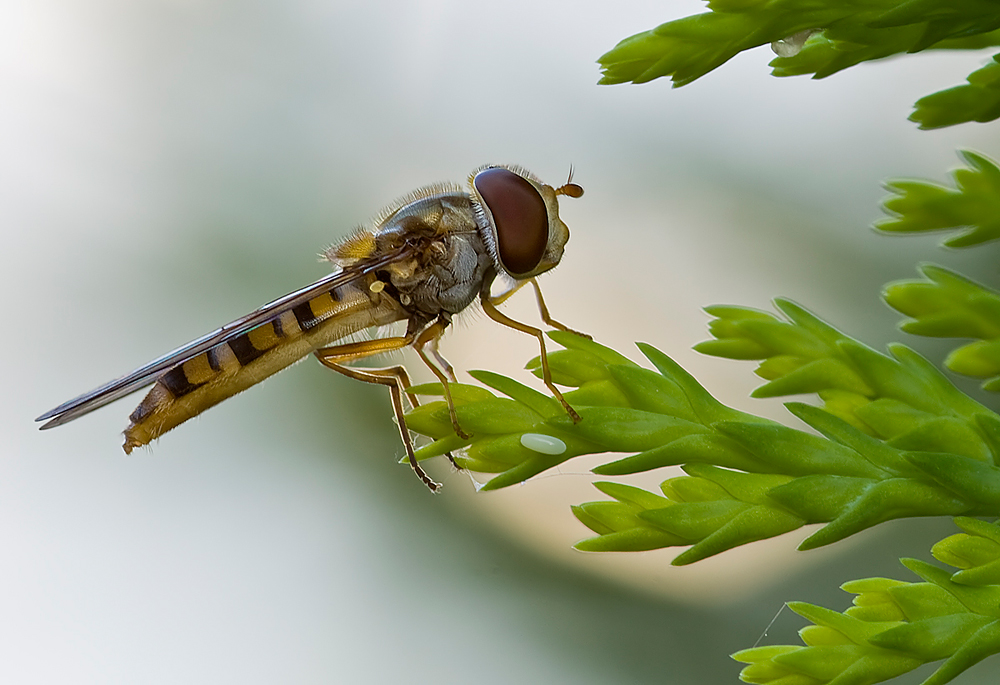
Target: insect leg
(364,348)
(442,362)
(431,334)
(414,402)
(501,318)
(504,296)
(393,377)
(544,311)
(450,372)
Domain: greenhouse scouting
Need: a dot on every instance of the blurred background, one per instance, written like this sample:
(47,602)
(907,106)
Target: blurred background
(170,165)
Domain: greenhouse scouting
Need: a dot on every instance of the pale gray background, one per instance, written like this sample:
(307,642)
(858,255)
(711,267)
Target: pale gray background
(169,165)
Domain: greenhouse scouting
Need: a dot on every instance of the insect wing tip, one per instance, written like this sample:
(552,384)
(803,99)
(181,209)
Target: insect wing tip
(67,411)
(51,424)
(49,414)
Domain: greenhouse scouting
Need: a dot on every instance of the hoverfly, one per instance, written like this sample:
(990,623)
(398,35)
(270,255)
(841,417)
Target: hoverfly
(422,260)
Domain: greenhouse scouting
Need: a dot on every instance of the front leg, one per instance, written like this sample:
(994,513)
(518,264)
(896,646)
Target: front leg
(491,311)
(544,311)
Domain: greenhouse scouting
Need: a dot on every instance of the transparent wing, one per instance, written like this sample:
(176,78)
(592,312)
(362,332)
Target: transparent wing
(147,374)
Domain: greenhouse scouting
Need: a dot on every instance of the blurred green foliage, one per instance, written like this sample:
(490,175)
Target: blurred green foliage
(895,626)
(893,436)
(973,206)
(821,38)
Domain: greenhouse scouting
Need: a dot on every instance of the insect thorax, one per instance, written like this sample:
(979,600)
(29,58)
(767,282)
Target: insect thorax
(445,277)
(448,262)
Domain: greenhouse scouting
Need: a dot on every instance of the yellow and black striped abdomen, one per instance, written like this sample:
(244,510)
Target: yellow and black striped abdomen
(232,366)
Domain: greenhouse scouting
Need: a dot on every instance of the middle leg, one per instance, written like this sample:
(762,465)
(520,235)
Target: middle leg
(430,336)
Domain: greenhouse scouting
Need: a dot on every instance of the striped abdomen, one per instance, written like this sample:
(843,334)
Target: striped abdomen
(232,366)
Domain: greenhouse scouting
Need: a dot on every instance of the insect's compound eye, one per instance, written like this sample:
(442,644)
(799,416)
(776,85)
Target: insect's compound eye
(519,217)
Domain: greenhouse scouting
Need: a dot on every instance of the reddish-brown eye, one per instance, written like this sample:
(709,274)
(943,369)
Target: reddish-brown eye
(519,215)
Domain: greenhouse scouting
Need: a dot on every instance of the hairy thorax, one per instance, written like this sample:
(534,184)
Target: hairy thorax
(447,271)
